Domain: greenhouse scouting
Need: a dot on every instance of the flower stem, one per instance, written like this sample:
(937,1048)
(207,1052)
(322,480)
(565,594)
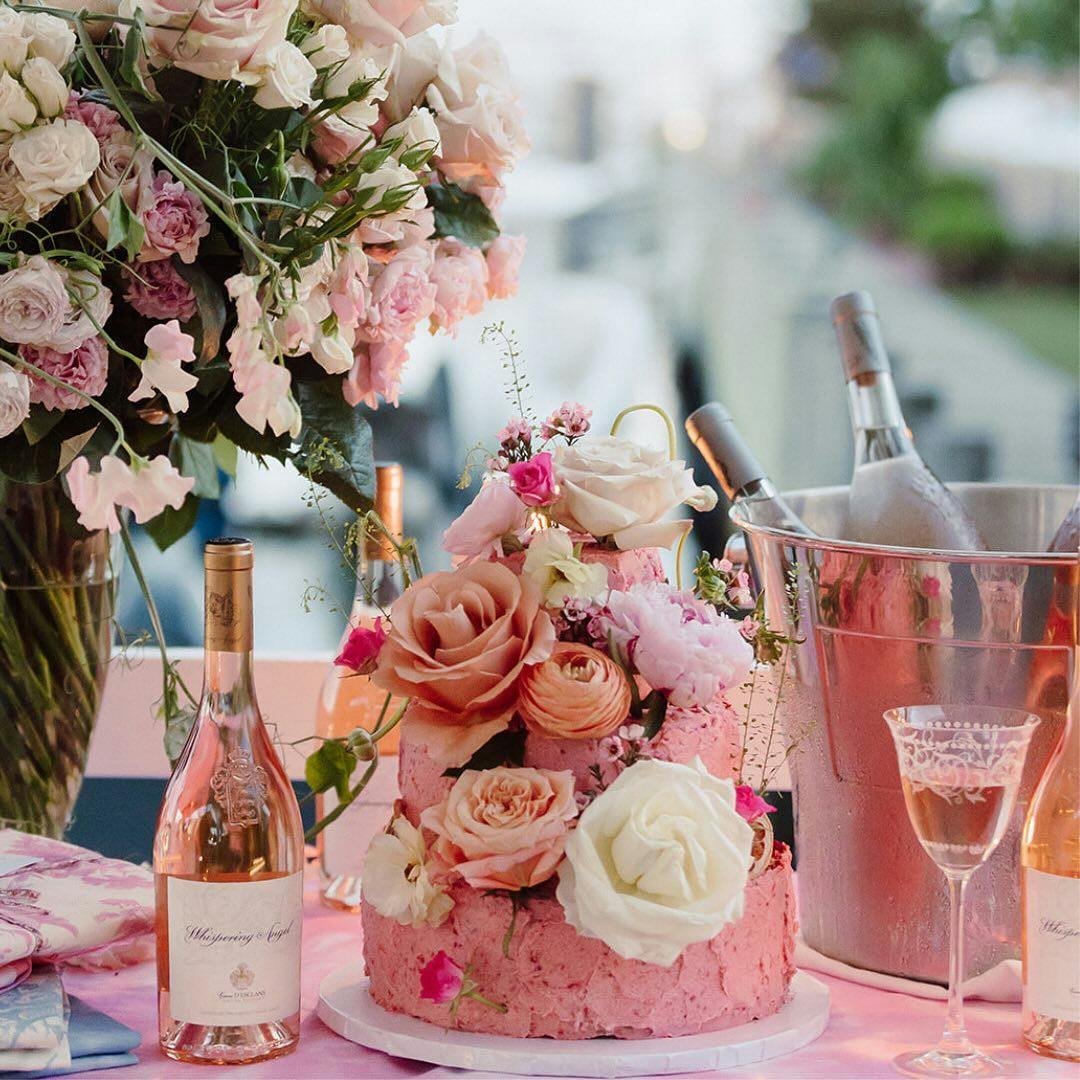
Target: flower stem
(673,447)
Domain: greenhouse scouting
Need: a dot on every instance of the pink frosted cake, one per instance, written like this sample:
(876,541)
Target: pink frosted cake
(573,855)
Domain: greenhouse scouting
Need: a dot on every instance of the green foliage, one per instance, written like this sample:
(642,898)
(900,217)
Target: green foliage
(172,525)
(125,229)
(462,215)
(197,460)
(210,309)
(331,766)
(505,748)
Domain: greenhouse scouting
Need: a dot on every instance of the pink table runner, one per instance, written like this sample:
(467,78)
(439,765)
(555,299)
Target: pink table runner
(866,1030)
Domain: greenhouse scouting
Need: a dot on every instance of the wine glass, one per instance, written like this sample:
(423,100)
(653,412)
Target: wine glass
(960,769)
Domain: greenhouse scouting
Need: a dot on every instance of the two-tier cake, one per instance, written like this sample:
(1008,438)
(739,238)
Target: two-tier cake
(574,854)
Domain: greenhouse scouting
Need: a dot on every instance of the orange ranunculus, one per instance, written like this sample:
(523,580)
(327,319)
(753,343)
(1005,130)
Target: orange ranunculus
(579,693)
(458,644)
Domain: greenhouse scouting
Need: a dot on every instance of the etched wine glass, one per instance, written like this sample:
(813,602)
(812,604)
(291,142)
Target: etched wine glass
(960,768)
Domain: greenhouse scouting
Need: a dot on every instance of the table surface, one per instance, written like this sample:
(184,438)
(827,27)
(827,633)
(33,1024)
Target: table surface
(867,1028)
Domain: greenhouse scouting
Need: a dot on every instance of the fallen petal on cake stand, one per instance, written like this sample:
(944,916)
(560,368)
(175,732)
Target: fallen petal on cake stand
(346,1007)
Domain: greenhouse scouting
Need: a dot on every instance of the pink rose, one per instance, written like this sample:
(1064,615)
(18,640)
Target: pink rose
(504,255)
(460,276)
(362,649)
(534,480)
(174,218)
(749,805)
(478,532)
(158,291)
(100,119)
(503,828)
(480,140)
(86,368)
(441,979)
(376,372)
(401,296)
(382,22)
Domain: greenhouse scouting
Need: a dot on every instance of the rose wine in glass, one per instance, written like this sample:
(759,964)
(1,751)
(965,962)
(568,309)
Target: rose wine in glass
(228,856)
(960,769)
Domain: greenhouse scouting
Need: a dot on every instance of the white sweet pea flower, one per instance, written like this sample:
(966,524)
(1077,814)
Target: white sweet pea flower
(396,882)
(550,563)
(17,108)
(332,352)
(14,398)
(609,486)
(265,397)
(168,349)
(287,78)
(46,85)
(658,861)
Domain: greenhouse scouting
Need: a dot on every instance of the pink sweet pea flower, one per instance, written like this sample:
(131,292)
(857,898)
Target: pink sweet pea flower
(441,979)
(362,649)
(749,805)
(534,480)
(478,532)
(168,348)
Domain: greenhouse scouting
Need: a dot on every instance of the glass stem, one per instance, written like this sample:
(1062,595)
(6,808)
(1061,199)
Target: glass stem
(954,1039)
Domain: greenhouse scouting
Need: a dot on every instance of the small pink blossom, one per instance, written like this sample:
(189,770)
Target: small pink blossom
(504,256)
(102,121)
(569,420)
(611,748)
(441,979)
(931,586)
(632,732)
(749,805)
(748,628)
(174,218)
(362,649)
(478,532)
(84,369)
(376,372)
(158,291)
(517,430)
(724,566)
(534,480)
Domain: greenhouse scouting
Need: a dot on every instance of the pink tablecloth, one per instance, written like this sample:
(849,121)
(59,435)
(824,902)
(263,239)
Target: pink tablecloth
(866,1030)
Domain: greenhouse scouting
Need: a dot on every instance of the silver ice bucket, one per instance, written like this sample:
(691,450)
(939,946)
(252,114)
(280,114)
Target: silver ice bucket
(882,627)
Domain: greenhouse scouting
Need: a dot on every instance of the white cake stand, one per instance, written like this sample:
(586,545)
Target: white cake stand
(346,1007)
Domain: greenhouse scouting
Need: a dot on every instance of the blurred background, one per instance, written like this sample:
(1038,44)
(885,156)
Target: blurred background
(704,178)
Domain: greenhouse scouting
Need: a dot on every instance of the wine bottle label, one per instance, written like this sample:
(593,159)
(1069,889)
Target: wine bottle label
(1052,934)
(234,950)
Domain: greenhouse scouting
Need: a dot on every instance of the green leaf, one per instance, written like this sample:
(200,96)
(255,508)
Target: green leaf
(131,59)
(210,302)
(457,213)
(260,443)
(505,748)
(335,444)
(170,525)
(225,454)
(196,459)
(330,766)
(124,227)
(40,422)
(655,709)
(418,155)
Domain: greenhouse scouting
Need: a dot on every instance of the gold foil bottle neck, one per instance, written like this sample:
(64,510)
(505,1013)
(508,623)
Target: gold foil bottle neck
(389,505)
(228,562)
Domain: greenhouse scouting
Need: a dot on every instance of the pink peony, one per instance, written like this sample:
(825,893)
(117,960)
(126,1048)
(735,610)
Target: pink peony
(362,649)
(503,828)
(86,368)
(679,644)
(503,256)
(533,481)
(100,119)
(478,532)
(460,277)
(749,805)
(174,218)
(441,979)
(376,372)
(401,296)
(158,291)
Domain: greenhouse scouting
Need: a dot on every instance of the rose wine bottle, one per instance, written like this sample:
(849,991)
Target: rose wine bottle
(348,701)
(1050,860)
(895,499)
(745,482)
(228,856)
(1067,537)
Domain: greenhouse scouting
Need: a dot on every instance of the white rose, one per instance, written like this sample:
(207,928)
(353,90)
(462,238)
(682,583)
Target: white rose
(33,302)
(17,108)
(329,45)
(609,486)
(46,84)
(390,176)
(658,861)
(417,129)
(14,40)
(14,398)
(481,140)
(54,159)
(88,310)
(286,80)
(12,203)
(479,64)
(357,68)
(52,38)
(410,69)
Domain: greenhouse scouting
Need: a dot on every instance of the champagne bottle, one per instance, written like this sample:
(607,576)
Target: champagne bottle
(745,482)
(1050,860)
(895,499)
(228,856)
(347,701)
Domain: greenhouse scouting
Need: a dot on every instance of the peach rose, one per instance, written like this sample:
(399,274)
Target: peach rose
(503,828)
(458,644)
(579,693)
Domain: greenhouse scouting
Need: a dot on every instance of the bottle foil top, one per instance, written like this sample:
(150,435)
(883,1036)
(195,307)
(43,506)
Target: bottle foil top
(713,432)
(858,333)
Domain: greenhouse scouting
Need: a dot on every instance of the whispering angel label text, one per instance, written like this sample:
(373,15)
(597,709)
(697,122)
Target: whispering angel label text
(234,950)
(1052,979)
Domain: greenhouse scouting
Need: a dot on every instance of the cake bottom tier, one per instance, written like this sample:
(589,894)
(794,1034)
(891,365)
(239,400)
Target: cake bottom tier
(558,984)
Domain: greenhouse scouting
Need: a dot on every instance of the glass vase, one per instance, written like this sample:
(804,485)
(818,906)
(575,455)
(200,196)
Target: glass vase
(57,587)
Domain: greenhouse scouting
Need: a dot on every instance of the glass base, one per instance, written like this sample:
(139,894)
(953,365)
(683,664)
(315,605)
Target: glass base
(202,1045)
(939,1063)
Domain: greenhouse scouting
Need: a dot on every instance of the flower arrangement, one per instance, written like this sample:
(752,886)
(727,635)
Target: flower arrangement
(221,224)
(538,638)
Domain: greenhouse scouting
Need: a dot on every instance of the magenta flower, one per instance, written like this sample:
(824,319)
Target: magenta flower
(441,979)
(533,481)
(749,805)
(84,369)
(158,291)
(362,649)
